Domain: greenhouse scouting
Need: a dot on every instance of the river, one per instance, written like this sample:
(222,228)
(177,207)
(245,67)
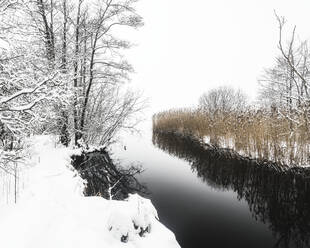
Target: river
(209,202)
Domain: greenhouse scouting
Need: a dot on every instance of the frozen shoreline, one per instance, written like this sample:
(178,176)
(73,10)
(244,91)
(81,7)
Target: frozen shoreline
(53,212)
(226,152)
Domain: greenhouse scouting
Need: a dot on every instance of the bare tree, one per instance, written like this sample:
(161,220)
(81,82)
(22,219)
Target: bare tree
(110,110)
(62,64)
(285,86)
(222,100)
(105,64)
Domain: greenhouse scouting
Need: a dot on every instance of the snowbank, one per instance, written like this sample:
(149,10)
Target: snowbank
(52,211)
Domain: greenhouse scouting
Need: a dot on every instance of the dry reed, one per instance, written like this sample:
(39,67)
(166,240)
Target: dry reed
(259,134)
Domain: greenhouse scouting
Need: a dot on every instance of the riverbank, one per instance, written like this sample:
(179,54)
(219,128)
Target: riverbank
(260,134)
(231,155)
(53,212)
(106,177)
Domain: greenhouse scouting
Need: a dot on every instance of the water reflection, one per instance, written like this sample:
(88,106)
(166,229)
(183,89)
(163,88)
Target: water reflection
(281,200)
(106,178)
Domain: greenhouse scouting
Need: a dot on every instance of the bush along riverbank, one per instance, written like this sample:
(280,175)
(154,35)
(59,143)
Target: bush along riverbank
(106,178)
(259,137)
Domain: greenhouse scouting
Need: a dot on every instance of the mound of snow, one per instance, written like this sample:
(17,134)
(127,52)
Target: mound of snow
(137,219)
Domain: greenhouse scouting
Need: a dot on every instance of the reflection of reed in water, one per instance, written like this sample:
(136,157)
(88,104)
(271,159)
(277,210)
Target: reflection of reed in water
(280,199)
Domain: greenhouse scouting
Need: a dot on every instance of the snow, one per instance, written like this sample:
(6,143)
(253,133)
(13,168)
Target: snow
(52,211)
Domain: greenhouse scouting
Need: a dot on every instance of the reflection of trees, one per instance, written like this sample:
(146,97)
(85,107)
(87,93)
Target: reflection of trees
(106,179)
(282,200)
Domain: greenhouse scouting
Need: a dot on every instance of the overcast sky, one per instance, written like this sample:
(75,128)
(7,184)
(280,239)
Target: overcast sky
(189,47)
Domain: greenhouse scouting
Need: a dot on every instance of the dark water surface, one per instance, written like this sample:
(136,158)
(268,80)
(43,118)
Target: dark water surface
(209,202)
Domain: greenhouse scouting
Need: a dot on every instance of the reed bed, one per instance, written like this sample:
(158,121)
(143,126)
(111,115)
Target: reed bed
(258,133)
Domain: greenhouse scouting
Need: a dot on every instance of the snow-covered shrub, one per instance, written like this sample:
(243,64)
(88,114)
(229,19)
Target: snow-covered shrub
(136,221)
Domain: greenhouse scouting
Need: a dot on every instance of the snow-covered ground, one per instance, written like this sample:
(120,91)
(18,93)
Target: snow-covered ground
(52,211)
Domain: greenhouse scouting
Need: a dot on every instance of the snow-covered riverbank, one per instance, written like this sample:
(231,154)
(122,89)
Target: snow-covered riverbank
(52,211)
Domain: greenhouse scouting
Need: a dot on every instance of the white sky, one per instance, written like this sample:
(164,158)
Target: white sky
(189,47)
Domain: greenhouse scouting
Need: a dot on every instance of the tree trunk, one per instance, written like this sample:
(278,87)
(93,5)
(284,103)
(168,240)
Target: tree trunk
(77,131)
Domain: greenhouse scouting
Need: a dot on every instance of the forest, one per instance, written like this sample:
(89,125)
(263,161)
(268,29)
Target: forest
(63,72)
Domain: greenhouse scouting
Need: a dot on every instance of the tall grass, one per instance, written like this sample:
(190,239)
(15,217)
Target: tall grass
(256,133)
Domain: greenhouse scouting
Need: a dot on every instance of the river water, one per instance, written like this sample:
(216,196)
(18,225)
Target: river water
(209,202)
